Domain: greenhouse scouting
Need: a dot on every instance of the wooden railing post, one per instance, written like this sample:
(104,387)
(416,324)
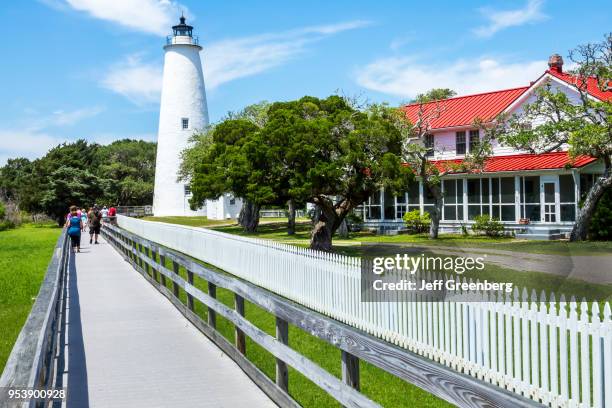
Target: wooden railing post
(190,297)
(282,372)
(212,315)
(146,264)
(239,334)
(162,262)
(154,257)
(175,286)
(350,370)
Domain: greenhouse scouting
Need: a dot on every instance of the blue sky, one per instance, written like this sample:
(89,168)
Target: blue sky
(92,68)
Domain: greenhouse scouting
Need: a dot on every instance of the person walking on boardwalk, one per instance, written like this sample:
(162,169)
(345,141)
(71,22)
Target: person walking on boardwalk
(84,222)
(75,225)
(95,218)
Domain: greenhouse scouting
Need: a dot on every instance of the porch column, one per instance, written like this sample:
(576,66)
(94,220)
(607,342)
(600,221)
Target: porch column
(517,198)
(465,198)
(421,198)
(576,177)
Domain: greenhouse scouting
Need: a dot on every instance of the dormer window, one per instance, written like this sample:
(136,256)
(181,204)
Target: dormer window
(429,145)
(460,142)
(185,123)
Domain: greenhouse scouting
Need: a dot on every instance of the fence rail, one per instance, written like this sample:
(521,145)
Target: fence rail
(36,360)
(135,211)
(151,260)
(558,353)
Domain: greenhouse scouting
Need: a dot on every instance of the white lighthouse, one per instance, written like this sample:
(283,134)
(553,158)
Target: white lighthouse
(183,111)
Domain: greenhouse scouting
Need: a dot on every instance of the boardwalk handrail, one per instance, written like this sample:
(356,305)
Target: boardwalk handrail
(150,258)
(34,362)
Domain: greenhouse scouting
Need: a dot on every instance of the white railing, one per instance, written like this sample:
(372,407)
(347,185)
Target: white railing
(558,353)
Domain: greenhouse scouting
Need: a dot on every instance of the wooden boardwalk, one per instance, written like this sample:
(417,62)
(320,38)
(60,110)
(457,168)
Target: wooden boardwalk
(128,346)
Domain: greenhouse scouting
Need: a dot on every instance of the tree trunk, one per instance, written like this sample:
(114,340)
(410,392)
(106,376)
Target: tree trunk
(249,216)
(343,231)
(324,227)
(291,217)
(436,214)
(581,227)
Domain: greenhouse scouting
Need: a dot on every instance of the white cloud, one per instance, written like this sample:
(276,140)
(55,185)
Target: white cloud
(33,136)
(67,118)
(150,16)
(138,81)
(499,20)
(409,76)
(30,144)
(230,59)
(223,61)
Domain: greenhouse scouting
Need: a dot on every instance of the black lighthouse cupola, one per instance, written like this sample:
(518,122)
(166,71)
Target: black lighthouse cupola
(182,29)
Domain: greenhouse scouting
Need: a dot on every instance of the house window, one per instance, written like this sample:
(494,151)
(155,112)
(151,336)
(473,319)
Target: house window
(567,197)
(429,145)
(460,142)
(478,197)
(187,189)
(400,206)
(232,200)
(371,208)
(453,200)
(185,123)
(474,140)
(502,198)
(530,197)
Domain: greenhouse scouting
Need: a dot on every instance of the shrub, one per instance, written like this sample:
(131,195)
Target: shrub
(2,210)
(415,222)
(484,224)
(600,227)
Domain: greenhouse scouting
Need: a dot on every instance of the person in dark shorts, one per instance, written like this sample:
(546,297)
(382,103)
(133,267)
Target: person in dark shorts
(74,225)
(95,219)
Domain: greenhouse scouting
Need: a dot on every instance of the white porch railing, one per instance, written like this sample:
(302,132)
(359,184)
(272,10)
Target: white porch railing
(550,351)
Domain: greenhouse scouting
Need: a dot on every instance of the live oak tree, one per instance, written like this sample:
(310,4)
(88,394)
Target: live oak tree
(584,126)
(217,163)
(336,157)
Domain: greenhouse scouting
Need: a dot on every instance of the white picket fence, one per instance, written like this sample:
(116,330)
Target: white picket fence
(555,352)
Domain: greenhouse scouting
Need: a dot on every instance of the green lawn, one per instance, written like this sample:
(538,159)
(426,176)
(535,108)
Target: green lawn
(24,255)
(278,231)
(201,221)
(537,281)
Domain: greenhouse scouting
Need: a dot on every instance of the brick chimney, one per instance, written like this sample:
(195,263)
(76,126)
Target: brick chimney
(555,63)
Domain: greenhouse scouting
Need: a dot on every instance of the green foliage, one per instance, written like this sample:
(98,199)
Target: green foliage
(484,224)
(415,222)
(600,227)
(2,210)
(435,94)
(81,173)
(308,150)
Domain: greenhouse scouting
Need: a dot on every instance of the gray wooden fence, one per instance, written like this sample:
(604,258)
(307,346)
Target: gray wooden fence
(153,262)
(36,360)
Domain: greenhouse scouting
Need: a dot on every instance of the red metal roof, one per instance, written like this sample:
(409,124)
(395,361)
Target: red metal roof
(463,110)
(524,162)
(592,86)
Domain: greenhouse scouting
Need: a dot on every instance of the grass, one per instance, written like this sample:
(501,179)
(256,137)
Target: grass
(378,385)
(538,281)
(24,255)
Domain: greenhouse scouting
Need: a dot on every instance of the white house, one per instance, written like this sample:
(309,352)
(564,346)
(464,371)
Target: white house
(514,186)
